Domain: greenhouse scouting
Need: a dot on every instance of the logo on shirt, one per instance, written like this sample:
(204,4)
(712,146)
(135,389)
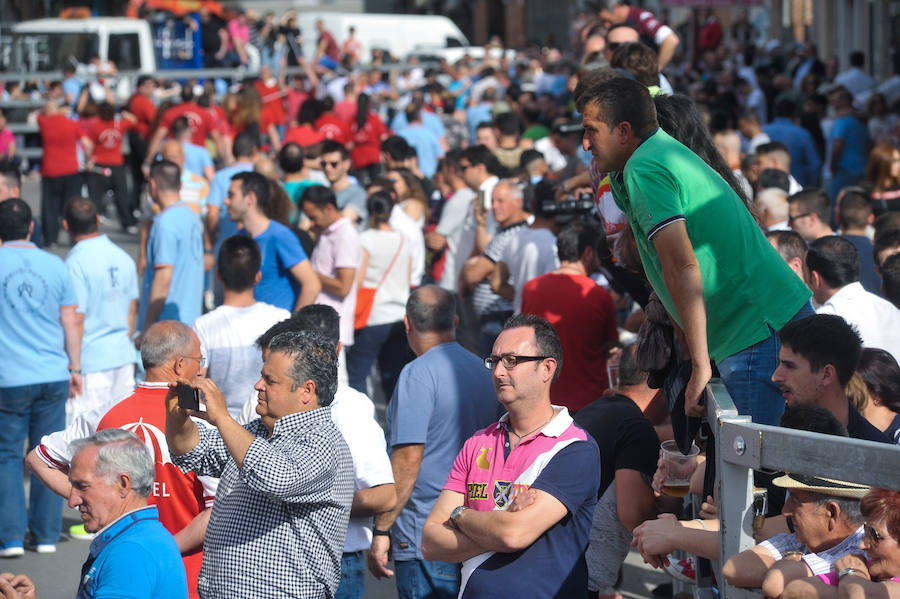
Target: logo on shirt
(477,491)
(113,276)
(505,491)
(24,290)
(482,461)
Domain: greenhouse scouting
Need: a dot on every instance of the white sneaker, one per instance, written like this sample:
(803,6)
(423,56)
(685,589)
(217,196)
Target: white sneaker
(45,548)
(12,552)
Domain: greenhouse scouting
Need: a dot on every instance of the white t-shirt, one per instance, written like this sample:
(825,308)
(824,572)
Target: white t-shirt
(401,222)
(876,320)
(354,415)
(529,254)
(452,226)
(390,298)
(228,339)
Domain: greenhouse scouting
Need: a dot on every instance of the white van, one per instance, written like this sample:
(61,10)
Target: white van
(398,34)
(44,45)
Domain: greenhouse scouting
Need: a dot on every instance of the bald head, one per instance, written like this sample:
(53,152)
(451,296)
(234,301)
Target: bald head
(173,151)
(266,167)
(165,341)
(431,309)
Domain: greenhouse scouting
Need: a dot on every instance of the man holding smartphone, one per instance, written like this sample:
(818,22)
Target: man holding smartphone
(288,476)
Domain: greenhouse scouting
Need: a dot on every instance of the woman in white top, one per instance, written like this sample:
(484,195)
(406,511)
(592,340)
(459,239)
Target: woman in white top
(385,267)
(411,197)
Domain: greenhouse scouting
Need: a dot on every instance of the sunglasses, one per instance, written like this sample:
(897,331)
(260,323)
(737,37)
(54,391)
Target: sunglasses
(613,45)
(331,164)
(791,219)
(871,534)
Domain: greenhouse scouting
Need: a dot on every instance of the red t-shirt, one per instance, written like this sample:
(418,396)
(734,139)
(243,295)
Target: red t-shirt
(107,137)
(200,119)
(145,110)
(331,127)
(273,101)
(367,141)
(584,316)
(178,496)
(303,136)
(346,111)
(59,136)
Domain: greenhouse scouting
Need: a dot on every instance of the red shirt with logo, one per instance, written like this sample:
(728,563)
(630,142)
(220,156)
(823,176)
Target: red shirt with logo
(200,119)
(107,137)
(332,127)
(178,496)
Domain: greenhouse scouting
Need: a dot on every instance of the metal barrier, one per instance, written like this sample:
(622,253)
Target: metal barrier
(742,447)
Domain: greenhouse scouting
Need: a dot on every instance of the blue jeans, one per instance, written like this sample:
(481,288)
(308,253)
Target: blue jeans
(353,576)
(748,376)
(385,343)
(418,579)
(30,411)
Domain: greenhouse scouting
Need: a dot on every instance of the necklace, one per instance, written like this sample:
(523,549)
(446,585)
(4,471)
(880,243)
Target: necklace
(537,429)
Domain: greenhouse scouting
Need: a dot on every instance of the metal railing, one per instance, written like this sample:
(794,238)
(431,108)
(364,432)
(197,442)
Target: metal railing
(742,447)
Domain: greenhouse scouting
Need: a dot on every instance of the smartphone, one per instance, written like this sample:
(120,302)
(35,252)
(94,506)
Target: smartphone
(188,397)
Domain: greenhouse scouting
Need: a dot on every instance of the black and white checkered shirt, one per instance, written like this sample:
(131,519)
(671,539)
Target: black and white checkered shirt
(278,523)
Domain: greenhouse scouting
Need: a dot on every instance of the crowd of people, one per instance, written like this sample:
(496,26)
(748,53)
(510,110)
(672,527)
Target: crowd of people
(572,247)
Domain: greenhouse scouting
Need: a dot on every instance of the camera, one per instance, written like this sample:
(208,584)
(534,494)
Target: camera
(583,204)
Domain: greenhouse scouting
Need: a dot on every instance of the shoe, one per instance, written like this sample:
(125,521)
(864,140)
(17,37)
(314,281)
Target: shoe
(683,570)
(12,552)
(663,590)
(77,531)
(45,548)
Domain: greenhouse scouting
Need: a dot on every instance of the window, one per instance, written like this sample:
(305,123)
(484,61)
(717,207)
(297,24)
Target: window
(124,51)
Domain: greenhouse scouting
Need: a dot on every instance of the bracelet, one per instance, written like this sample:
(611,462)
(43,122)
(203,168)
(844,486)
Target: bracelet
(792,554)
(75,370)
(380,533)
(702,523)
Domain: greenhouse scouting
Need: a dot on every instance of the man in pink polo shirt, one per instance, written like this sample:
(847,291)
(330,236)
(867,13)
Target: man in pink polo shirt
(517,507)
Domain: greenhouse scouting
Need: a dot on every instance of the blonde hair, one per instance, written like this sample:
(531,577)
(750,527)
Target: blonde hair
(858,393)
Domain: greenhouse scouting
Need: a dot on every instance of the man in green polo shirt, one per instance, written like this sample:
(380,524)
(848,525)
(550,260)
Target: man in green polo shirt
(704,254)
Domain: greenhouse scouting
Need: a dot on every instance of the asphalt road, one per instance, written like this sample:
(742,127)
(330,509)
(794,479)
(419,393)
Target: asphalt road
(56,575)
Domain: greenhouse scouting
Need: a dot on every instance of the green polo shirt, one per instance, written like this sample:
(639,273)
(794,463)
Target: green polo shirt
(747,286)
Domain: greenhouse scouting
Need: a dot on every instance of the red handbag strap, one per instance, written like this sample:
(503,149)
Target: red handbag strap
(391,265)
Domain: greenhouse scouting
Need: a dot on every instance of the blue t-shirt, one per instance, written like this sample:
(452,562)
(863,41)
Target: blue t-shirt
(281,251)
(572,476)
(427,147)
(431,121)
(805,161)
(196,158)
(105,282)
(856,143)
(475,115)
(135,557)
(34,284)
(176,240)
(218,191)
(441,399)
(867,274)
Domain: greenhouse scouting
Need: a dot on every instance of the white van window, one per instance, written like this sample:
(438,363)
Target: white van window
(42,51)
(124,51)
(453,42)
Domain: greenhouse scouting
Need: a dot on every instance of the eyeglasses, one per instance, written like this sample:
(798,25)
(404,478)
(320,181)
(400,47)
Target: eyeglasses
(331,164)
(794,217)
(871,533)
(465,167)
(201,360)
(510,361)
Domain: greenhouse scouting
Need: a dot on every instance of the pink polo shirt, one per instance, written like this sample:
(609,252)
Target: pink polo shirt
(489,481)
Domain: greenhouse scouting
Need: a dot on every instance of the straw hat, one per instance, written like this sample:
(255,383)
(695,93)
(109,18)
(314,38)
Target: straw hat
(820,484)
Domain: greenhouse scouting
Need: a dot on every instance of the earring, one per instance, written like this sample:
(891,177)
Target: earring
(876,402)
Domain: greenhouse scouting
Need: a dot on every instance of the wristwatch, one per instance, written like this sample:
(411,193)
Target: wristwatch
(847,572)
(454,515)
(380,533)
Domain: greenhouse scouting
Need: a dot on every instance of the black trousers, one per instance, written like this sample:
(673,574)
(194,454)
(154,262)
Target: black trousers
(55,192)
(99,184)
(138,151)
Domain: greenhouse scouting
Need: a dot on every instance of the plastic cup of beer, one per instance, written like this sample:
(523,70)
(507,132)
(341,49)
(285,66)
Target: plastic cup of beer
(612,371)
(679,468)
